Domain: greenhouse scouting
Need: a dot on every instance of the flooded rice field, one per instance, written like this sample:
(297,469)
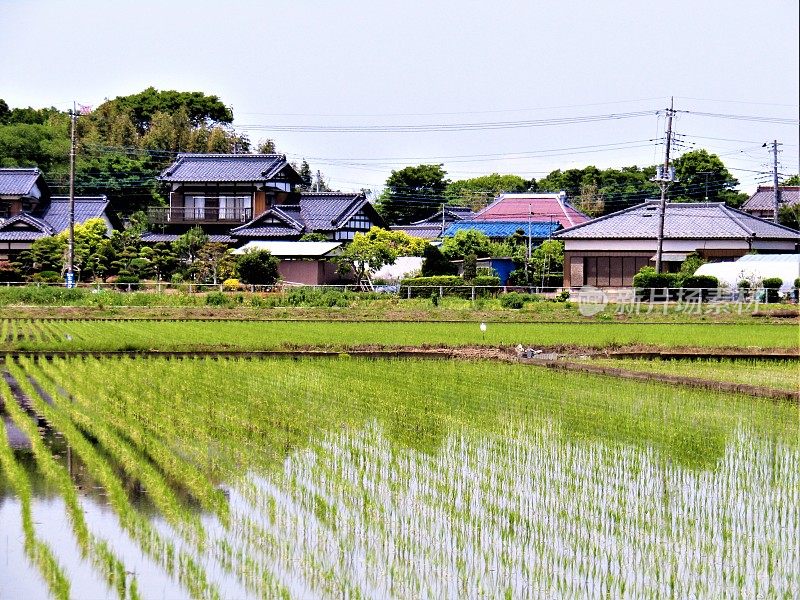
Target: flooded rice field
(158,478)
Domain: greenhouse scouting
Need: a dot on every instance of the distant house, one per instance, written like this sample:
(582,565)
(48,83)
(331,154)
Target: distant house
(336,215)
(610,250)
(236,198)
(543,208)
(762,203)
(435,226)
(305,263)
(21,190)
(30,213)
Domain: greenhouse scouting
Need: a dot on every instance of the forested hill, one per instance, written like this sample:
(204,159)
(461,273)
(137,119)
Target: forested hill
(123,143)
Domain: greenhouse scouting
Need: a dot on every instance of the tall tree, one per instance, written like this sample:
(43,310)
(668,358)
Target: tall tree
(477,192)
(413,193)
(702,175)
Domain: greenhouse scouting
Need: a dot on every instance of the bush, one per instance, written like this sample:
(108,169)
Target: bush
(514,300)
(562,296)
(486,284)
(771,286)
(647,279)
(127,281)
(744,284)
(421,286)
(216,299)
(705,283)
(230,285)
(258,267)
(470,267)
(47,277)
(434,263)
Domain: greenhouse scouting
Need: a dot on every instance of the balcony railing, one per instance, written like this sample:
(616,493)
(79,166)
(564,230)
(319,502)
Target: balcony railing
(166,214)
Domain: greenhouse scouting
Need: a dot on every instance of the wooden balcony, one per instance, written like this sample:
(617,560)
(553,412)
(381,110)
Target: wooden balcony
(162,215)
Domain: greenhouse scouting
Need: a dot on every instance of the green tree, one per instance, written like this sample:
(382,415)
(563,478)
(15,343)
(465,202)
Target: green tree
(435,263)
(369,252)
(702,175)
(478,192)
(789,216)
(187,246)
(465,242)
(215,262)
(412,193)
(313,237)
(305,175)
(45,254)
(257,267)
(267,147)
(793,180)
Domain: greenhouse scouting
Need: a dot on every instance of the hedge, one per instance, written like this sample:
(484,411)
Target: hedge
(422,286)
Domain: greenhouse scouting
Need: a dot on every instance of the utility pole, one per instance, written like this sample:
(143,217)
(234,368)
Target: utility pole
(70,280)
(706,173)
(443,222)
(530,214)
(319,176)
(665,178)
(776,193)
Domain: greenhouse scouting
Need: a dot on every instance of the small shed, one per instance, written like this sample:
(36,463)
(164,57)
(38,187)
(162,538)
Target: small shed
(305,263)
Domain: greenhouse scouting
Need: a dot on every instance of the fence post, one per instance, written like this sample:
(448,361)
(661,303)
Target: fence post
(473,293)
(409,292)
(441,293)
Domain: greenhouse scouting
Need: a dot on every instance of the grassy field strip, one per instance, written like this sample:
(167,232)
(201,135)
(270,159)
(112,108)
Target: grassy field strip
(777,375)
(147,335)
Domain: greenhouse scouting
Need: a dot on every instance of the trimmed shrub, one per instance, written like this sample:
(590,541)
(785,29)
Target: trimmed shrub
(47,277)
(705,283)
(771,286)
(648,280)
(486,284)
(127,281)
(230,285)
(424,286)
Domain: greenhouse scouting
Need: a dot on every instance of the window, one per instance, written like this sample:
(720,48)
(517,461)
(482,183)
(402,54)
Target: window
(195,208)
(360,221)
(234,208)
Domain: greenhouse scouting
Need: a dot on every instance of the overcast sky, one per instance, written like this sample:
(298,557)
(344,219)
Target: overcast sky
(464,65)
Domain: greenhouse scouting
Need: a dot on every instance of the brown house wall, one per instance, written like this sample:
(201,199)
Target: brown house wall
(308,272)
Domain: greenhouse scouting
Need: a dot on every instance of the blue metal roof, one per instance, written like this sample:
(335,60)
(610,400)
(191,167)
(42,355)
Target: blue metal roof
(503,229)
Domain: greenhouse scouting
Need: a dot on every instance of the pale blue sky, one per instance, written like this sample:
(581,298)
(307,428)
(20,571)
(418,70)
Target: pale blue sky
(360,63)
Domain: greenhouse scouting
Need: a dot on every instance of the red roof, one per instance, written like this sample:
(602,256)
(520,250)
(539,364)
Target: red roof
(537,207)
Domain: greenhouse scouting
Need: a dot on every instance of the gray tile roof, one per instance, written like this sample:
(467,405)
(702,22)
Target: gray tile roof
(682,221)
(18,182)
(225,168)
(763,198)
(86,207)
(426,232)
(316,212)
(154,238)
(24,228)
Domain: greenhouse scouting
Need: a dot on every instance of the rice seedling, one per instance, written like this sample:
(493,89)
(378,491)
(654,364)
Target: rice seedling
(410,478)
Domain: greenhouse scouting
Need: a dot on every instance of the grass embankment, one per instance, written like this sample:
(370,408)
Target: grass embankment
(43,335)
(50,302)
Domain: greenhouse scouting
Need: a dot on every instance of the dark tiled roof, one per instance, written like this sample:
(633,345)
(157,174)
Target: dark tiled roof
(19,182)
(763,198)
(426,232)
(539,207)
(503,229)
(225,167)
(711,220)
(24,228)
(154,238)
(86,207)
(327,211)
(316,212)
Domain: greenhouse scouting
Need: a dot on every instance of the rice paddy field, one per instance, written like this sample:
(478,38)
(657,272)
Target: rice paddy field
(234,478)
(777,375)
(97,335)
